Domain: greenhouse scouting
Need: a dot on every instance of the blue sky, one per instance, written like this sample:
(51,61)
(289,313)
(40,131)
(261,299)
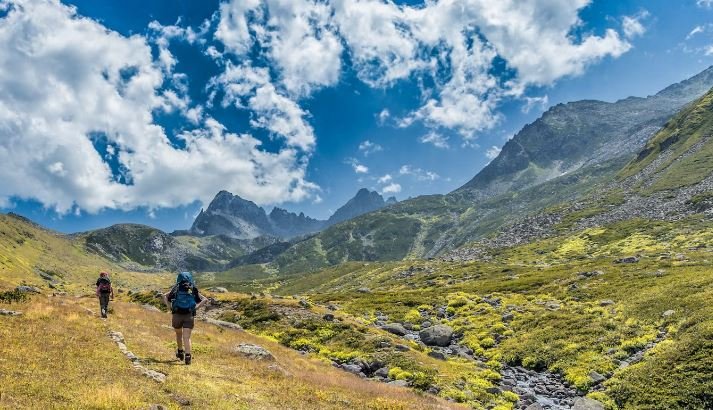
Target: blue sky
(147,108)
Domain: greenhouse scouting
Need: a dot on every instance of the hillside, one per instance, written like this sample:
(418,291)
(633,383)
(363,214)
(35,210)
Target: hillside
(35,256)
(580,147)
(62,333)
(571,136)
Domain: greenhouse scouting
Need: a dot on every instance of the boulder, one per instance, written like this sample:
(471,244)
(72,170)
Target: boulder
(506,317)
(439,335)
(305,304)
(353,369)
(399,383)
(606,302)
(395,328)
(596,377)
(402,348)
(28,289)
(224,324)
(584,403)
(437,355)
(534,406)
(383,372)
(364,290)
(668,313)
(218,289)
(151,308)
(4,312)
(254,352)
(628,259)
(328,317)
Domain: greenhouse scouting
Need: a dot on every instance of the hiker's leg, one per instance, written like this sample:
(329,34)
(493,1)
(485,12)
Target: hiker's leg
(179,338)
(187,340)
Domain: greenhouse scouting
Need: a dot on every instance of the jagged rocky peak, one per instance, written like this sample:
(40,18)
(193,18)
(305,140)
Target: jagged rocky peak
(364,201)
(232,216)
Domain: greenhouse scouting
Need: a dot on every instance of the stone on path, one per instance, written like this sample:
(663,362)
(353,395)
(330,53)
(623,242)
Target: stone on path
(4,312)
(254,352)
(395,328)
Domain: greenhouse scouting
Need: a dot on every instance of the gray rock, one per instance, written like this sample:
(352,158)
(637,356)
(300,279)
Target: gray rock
(439,335)
(399,383)
(28,289)
(606,302)
(437,355)
(383,372)
(507,317)
(364,290)
(534,406)
(402,348)
(254,352)
(224,324)
(493,390)
(584,403)
(596,377)
(628,259)
(552,305)
(395,328)
(426,324)
(328,317)
(305,304)
(668,313)
(158,407)
(218,289)
(4,312)
(354,369)
(151,308)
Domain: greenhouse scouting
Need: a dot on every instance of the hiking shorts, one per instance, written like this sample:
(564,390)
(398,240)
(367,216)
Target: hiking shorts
(182,321)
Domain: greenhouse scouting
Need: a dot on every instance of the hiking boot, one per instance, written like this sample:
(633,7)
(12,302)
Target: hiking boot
(188,358)
(180,354)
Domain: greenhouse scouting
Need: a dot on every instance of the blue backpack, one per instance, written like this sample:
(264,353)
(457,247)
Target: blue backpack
(184,301)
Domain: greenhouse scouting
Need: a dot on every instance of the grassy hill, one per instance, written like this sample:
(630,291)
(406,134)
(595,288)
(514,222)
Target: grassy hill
(35,256)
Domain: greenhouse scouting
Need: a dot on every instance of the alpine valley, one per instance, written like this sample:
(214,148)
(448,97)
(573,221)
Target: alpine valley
(573,272)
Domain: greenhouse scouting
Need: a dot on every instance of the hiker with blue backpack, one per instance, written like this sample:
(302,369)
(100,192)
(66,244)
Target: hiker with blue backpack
(104,292)
(183,300)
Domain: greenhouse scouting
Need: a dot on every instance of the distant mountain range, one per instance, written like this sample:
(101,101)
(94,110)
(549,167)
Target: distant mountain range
(238,218)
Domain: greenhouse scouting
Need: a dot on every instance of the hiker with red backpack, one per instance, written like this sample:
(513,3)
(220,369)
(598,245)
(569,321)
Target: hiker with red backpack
(183,300)
(104,292)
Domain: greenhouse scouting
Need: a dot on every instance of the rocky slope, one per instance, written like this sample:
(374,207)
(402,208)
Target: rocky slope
(573,135)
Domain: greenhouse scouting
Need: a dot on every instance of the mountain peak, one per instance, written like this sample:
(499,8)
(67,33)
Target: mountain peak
(363,202)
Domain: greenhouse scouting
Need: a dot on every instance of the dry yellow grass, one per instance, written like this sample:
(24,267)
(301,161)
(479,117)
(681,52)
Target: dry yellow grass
(59,356)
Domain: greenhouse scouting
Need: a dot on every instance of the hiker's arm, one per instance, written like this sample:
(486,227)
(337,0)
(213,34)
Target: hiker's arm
(165,300)
(203,301)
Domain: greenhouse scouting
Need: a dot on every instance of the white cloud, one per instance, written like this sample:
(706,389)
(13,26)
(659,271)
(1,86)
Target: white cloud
(632,25)
(492,152)
(249,87)
(696,30)
(438,140)
(704,3)
(383,116)
(451,43)
(361,169)
(418,173)
(98,85)
(367,147)
(392,188)
(533,102)
(385,179)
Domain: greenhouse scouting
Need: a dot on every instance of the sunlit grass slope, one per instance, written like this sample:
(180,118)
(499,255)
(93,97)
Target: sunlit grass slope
(57,355)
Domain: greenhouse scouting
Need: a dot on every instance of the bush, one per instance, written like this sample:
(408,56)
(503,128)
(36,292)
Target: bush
(13,296)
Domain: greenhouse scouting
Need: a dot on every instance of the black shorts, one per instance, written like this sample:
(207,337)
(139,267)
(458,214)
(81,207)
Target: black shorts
(182,320)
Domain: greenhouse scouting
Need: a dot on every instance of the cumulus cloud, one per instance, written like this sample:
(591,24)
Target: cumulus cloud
(385,179)
(367,147)
(492,152)
(453,44)
(632,25)
(535,102)
(86,137)
(418,173)
(705,3)
(436,139)
(392,188)
(358,167)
